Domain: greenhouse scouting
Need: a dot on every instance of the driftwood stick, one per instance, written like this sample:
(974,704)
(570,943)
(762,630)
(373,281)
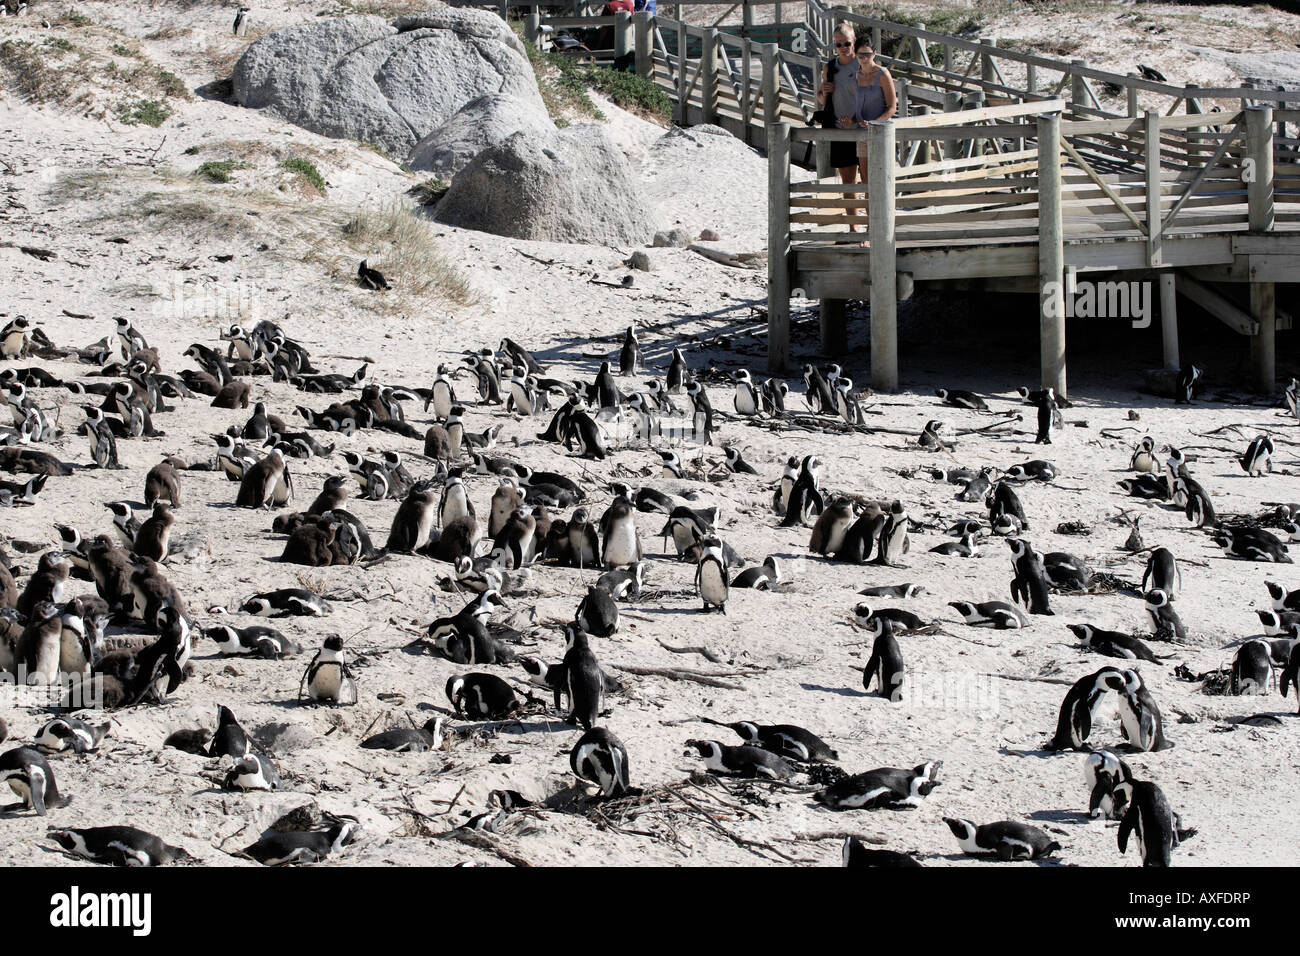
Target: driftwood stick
(484,842)
(704,652)
(678,673)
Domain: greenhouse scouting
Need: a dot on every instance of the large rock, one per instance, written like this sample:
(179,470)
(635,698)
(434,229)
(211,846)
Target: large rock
(573,185)
(705,178)
(486,121)
(391,84)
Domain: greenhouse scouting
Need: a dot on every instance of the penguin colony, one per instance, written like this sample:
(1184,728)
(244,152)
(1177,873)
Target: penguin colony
(98,608)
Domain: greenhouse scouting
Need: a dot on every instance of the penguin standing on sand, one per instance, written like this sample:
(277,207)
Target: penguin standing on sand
(1252,668)
(886,662)
(702,420)
(1029,584)
(711,579)
(600,758)
(805,498)
(630,355)
(1162,572)
(1258,458)
(327,678)
(676,373)
(1165,622)
(1074,722)
(29,775)
(585,683)
(1046,416)
(894,540)
(103,443)
(1152,819)
(1139,717)
(1103,772)
(241,21)
(1185,385)
(482,697)
(746,396)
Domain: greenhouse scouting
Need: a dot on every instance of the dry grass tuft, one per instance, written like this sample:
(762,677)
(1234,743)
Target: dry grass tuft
(403,247)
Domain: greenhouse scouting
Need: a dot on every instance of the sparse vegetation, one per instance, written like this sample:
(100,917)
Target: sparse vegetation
(305,171)
(32,73)
(142,112)
(121,49)
(219,170)
(191,150)
(59,43)
(411,258)
(74,18)
(631,92)
(430,191)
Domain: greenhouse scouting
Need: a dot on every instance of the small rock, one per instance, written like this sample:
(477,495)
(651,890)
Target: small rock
(708,235)
(1133,416)
(500,758)
(640,260)
(668,238)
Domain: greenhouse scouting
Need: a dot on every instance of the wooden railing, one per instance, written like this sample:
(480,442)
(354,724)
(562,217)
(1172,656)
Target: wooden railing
(1149,179)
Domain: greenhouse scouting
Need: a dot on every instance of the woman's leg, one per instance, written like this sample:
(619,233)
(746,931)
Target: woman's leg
(849,174)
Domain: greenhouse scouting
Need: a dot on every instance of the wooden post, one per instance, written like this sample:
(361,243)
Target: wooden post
(533,25)
(986,63)
(884,280)
(1190,100)
(923,153)
(778,244)
(1132,96)
(1169,320)
(623,42)
(834,327)
(644,24)
(1051,256)
(681,115)
(875,39)
(1031,78)
(709,76)
(1259,196)
(1078,85)
(947,58)
(747,17)
(771,85)
(746,76)
(1152,156)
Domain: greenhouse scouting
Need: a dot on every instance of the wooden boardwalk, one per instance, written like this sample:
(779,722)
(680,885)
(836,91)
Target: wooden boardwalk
(1004,171)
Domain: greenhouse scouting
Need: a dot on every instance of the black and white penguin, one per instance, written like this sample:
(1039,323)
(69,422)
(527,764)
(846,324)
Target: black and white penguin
(1185,384)
(1195,501)
(711,576)
(1143,459)
(894,540)
(901,618)
(256,639)
(409,739)
(1112,643)
(1252,668)
(745,761)
(1165,622)
(1074,722)
(600,758)
(621,542)
(1149,815)
(70,733)
(1000,614)
(584,680)
(1139,717)
(1029,583)
(1162,572)
(303,846)
(1007,839)
(629,357)
(454,503)
(736,463)
(785,485)
(103,441)
(1046,417)
(1149,487)
(828,533)
(1036,470)
(1253,544)
(977,487)
(702,418)
(442,394)
(854,853)
(1067,571)
(885,663)
(286,602)
(964,547)
(1283,600)
(327,678)
(767,576)
(785,740)
(745,398)
(230,740)
(1103,771)
(253,771)
(677,373)
(1291,672)
(117,846)
(960,398)
(29,775)
(884,787)
(1258,458)
(893,591)
(482,697)
(605,389)
(623,584)
(598,612)
(584,432)
(260,486)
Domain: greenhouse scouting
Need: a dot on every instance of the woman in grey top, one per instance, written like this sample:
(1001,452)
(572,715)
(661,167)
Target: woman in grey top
(875,95)
(838,93)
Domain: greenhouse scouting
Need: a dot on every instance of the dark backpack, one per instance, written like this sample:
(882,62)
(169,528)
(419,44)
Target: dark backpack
(825,117)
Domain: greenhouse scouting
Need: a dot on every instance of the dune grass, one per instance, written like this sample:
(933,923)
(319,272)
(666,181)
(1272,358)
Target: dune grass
(403,247)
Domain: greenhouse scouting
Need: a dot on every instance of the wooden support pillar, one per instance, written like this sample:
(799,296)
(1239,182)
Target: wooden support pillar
(681,114)
(1031,78)
(1191,100)
(643,26)
(835,330)
(747,17)
(1078,85)
(1259,197)
(778,246)
(1169,320)
(1131,96)
(771,84)
(623,40)
(709,76)
(987,74)
(533,25)
(884,279)
(1051,256)
(923,150)
(1151,150)
(875,40)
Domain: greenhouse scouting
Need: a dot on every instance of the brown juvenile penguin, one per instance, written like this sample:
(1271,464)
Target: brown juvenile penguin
(47,583)
(311,544)
(153,538)
(163,481)
(233,395)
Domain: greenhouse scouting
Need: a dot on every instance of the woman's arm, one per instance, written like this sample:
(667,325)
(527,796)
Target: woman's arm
(891,97)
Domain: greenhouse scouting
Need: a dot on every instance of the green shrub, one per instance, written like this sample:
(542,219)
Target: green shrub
(74,19)
(430,191)
(140,112)
(219,170)
(631,92)
(305,170)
